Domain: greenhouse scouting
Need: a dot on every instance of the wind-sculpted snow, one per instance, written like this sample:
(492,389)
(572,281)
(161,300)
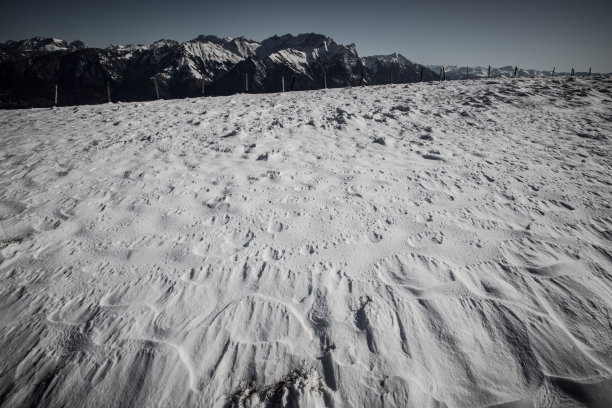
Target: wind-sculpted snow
(426,245)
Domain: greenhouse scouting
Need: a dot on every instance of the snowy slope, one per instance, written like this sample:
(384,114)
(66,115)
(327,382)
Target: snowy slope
(435,244)
(212,57)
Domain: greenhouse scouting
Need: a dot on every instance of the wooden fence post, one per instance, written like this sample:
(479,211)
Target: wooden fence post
(489,72)
(55,103)
(589,71)
(156,88)
(390,77)
(246,82)
(203,83)
(108,91)
(515,71)
(325,80)
(421,78)
(362,75)
(292,82)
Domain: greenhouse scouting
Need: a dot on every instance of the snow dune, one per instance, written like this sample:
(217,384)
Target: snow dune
(435,244)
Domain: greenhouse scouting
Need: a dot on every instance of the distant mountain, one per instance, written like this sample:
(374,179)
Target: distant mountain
(312,59)
(396,68)
(461,72)
(40,45)
(30,69)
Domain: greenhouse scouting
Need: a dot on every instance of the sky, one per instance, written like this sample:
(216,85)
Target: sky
(535,34)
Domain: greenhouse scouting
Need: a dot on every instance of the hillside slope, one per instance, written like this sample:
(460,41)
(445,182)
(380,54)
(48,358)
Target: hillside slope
(427,245)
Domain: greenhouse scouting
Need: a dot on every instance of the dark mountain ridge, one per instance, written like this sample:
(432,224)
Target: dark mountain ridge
(30,69)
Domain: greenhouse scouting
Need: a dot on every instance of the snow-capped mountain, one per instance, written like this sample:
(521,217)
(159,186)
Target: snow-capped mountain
(312,59)
(40,45)
(209,56)
(30,69)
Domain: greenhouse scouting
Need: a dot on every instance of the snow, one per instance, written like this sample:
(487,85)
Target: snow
(214,56)
(434,244)
(297,61)
(315,49)
(208,54)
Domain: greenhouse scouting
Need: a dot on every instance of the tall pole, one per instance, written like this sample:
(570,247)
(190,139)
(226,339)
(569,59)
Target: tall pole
(325,79)
(515,71)
(589,71)
(56,94)
(553,71)
(489,72)
(246,82)
(443,74)
(203,83)
(362,75)
(108,91)
(283,82)
(421,78)
(467,73)
(156,88)
(292,83)
(390,77)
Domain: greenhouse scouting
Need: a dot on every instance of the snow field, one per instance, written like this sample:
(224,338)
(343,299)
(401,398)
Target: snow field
(435,244)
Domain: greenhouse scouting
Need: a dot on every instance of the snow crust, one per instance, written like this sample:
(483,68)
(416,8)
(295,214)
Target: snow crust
(434,244)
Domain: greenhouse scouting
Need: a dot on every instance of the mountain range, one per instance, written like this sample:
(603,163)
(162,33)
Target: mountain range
(453,72)
(31,69)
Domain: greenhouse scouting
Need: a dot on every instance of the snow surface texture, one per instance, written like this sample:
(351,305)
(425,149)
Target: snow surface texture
(439,244)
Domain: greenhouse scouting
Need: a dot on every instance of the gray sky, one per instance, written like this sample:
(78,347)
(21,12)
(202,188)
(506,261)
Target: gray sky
(531,34)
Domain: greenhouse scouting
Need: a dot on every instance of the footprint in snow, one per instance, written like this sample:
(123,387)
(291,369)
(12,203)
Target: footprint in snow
(374,236)
(275,227)
(430,156)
